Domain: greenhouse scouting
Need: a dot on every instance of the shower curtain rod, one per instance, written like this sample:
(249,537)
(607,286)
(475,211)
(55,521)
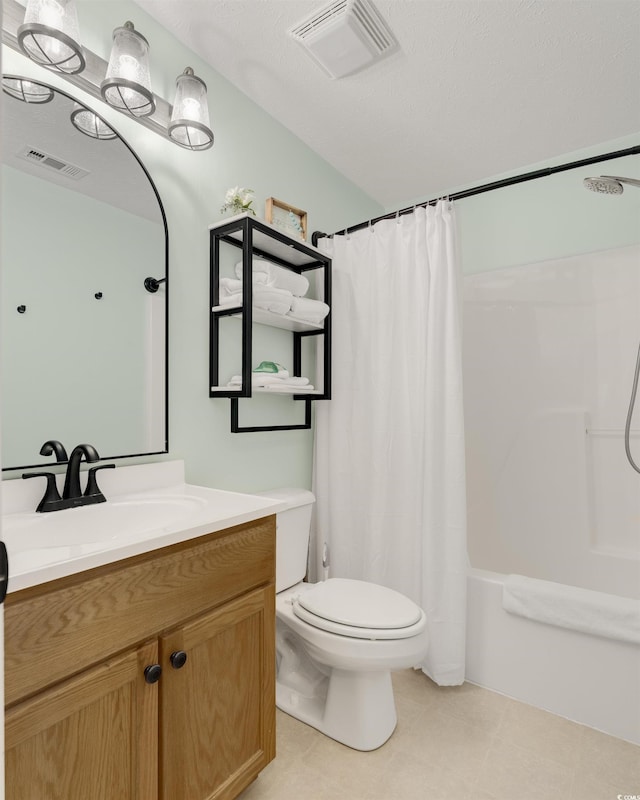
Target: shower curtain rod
(487,187)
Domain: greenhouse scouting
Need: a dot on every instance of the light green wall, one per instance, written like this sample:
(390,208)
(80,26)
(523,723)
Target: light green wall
(251,149)
(549,217)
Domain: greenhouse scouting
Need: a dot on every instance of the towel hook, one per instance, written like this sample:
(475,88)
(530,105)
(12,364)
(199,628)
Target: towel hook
(153,284)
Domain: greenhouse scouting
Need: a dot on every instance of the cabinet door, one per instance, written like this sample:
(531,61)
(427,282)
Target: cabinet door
(93,736)
(217,712)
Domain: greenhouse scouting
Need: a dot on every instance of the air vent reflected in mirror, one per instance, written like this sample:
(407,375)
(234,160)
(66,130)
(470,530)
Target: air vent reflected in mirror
(36,156)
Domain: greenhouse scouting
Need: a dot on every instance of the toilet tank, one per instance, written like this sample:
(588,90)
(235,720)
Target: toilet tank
(293,526)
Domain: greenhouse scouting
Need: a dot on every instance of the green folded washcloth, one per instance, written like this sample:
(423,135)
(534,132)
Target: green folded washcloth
(269,366)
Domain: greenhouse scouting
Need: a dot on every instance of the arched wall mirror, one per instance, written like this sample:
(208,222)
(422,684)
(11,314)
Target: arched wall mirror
(83,342)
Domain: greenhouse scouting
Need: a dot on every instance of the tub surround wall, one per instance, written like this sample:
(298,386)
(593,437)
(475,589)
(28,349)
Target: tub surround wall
(549,355)
(550,344)
(548,359)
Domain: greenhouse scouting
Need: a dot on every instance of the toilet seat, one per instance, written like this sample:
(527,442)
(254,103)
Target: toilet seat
(359,609)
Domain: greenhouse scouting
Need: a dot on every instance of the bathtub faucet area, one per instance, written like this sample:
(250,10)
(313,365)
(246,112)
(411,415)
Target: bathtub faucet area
(72,495)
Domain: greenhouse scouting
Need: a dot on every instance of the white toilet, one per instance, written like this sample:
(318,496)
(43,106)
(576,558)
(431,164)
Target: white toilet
(337,641)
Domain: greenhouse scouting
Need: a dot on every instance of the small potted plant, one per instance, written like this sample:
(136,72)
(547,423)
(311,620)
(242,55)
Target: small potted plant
(238,200)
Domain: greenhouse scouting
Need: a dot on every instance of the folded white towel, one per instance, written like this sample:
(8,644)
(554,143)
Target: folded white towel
(310,310)
(229,292)
(264,380)
(275,300)
(257,265)
(269,297)
(279,277)
(289,386)
(571,607)
(258,277)
(293,380)
(235,285)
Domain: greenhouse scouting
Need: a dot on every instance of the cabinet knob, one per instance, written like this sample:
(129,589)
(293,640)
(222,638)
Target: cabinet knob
(152,673)
(178,659)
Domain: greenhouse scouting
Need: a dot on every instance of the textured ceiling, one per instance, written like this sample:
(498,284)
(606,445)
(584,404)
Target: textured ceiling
(479,87)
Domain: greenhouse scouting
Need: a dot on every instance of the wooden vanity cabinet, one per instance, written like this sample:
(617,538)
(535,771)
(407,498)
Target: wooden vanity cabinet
(81,719)
(92,736)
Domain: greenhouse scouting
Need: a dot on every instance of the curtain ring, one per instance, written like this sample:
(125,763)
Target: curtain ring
(371,228)
(398,217)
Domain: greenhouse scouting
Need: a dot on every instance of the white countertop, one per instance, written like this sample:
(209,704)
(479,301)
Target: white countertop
(148,507)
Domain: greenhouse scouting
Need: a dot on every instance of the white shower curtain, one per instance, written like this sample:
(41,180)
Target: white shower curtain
(389,471)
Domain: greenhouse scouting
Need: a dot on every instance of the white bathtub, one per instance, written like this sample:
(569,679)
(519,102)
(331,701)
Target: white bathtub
(588,679)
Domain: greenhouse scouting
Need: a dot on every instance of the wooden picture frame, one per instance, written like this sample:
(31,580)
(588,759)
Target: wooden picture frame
(289,219)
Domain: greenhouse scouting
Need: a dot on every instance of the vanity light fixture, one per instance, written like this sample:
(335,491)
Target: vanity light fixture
(127,84)
(27,91)
(49,35)
(89,123)
(189,126)
(47,32)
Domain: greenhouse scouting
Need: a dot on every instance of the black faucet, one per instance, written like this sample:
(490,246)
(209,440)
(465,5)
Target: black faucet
(72,494)
(72,489)
(51,498)
(54,446)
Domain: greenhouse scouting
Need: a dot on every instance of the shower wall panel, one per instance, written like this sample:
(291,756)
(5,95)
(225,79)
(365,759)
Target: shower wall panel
(549,353)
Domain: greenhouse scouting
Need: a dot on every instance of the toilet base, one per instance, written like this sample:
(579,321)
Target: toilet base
(354,708)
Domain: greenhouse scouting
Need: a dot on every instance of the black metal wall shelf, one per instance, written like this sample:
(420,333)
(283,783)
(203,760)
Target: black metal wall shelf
(258,238)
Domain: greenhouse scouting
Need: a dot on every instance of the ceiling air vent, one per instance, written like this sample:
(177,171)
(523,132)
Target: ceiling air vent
(345,36)
(53,163)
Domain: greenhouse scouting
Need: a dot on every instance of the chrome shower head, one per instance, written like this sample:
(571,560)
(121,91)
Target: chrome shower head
(609,184)
(603,185)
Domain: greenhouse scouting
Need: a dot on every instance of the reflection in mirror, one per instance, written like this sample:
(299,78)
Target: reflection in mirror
(83,348)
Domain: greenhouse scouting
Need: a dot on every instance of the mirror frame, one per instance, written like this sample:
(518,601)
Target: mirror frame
(48,464)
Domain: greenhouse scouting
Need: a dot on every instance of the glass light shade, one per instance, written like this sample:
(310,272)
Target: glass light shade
(89,123)
(189,126)
(127,84)
(49,35)
(27,91)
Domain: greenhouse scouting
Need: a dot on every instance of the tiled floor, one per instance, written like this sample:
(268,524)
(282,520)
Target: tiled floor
(461,743)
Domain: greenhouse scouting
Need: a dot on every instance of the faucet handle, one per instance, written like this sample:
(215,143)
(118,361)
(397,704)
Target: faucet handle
(92,489)
(51,493)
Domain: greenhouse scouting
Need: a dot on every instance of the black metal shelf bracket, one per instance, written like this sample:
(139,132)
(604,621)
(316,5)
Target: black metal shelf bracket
(237,428)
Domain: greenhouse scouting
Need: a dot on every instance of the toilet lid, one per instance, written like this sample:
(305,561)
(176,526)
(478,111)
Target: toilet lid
(369,610)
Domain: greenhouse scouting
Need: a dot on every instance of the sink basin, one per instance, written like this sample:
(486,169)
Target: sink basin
(101,523)
(149,506)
